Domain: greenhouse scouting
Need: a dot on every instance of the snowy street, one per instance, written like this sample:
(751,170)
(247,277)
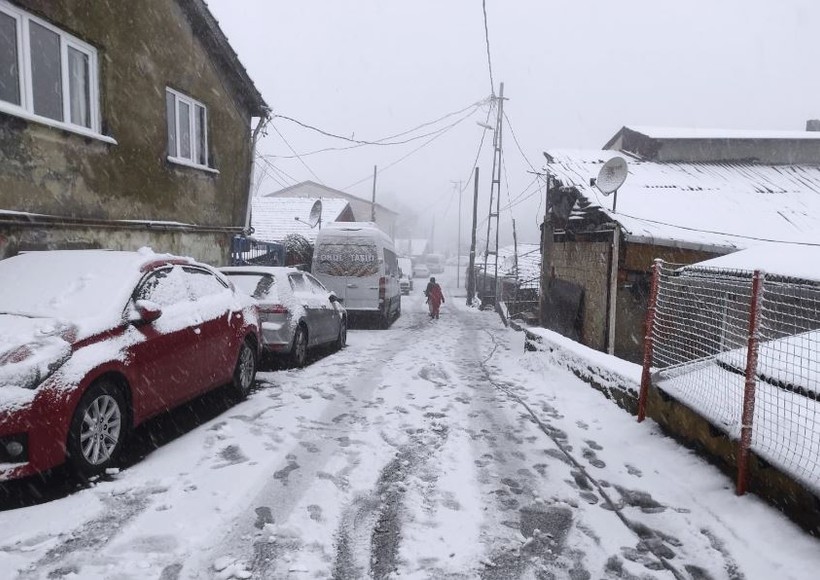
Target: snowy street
(435,449)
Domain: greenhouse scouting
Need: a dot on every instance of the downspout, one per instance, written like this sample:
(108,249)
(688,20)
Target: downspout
(263,120)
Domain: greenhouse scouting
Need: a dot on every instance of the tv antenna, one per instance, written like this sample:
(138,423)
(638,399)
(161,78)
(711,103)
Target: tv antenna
(315,217)
(612,176)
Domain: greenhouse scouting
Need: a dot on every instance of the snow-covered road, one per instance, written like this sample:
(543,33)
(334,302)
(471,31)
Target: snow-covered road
(435,449)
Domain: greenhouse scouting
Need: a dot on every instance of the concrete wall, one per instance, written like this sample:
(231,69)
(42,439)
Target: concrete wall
(586,264)
(211,247)
(143,47)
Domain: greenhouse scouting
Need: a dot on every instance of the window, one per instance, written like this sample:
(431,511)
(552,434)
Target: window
(203,283)
(47,74)
(187,121)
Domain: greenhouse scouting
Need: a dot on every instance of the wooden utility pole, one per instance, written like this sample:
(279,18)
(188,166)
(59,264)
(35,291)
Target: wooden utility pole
(373,203)
(470,282)
(458,239)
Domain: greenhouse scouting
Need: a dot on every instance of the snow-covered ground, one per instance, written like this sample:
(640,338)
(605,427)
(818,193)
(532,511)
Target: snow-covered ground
(435,449)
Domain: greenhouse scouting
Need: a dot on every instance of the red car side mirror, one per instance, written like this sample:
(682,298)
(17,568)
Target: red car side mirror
(148,311)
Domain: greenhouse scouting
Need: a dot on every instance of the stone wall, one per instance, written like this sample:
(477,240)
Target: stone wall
(587,264)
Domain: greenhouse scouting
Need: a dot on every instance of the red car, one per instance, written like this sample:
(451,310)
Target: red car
(94,342)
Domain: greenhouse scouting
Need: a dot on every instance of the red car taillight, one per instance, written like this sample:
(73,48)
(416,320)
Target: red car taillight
(382,288)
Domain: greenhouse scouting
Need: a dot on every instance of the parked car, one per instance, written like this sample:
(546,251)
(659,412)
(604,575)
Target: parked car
(421,271)
(405,275)
(94,342)
(296,311)
(435,263)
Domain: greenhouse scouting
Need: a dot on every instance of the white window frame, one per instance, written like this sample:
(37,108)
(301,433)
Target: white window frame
(193,132)
(26,107)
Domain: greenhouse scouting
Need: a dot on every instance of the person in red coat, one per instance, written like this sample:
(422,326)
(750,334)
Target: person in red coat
(435,297)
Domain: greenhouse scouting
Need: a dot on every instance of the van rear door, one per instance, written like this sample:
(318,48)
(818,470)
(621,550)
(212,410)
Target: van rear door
(349,266)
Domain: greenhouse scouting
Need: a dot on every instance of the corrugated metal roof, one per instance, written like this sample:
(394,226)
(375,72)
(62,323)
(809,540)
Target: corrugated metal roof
(705,133)
(719,207)
(790,261)
(272,218)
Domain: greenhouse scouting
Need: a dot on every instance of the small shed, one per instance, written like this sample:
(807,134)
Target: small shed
(676,205)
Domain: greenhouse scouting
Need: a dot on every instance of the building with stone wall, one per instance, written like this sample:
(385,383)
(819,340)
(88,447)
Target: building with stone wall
(122,124)
(689,196)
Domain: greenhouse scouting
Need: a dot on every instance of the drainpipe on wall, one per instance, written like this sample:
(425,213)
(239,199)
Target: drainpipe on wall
(263,120)
(613,289)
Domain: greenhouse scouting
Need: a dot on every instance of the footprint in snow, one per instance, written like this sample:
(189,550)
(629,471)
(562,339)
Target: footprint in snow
(284,473)
(263,517)
(315,512)
(230,455)
(590,456)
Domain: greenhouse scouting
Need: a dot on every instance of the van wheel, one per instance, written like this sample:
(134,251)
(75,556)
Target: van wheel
(298,356)
(97,430)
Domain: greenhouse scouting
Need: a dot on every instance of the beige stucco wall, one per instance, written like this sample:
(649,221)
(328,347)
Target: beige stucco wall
(143,47)
(209,247)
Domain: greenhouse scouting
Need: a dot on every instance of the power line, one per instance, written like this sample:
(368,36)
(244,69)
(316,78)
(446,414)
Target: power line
(517,144)
(313,173)
(475,162)
(386,141)
(487,41)
(422,146)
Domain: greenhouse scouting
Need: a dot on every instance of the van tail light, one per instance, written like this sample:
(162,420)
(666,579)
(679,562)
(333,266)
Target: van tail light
(382,289)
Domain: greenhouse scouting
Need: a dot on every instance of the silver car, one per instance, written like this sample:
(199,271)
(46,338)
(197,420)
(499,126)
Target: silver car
(296,311)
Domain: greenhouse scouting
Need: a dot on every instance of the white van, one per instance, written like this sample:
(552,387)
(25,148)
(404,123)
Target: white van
(357,261)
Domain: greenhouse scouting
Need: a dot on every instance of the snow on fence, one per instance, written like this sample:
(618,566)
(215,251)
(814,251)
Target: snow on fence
(741,349)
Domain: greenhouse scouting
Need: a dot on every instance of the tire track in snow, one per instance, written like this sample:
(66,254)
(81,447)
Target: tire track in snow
(264,551)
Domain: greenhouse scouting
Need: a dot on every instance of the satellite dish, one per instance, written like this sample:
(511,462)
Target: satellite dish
(612,175)
(315,214)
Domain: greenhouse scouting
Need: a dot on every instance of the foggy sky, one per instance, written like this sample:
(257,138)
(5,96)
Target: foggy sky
(575,72)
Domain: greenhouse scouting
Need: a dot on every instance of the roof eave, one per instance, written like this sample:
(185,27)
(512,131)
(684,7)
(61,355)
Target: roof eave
(215,40)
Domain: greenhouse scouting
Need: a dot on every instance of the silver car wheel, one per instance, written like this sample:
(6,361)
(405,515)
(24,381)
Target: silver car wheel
(300,347)
(100,429)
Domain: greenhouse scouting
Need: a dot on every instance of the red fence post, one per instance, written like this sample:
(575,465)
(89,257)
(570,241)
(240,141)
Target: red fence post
(751,380)
(649,341)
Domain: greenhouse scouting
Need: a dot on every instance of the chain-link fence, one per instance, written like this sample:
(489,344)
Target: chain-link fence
(742,349)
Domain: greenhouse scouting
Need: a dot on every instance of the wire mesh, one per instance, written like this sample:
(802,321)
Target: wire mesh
(701,334)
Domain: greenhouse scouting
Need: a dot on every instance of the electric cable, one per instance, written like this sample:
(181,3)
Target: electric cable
(313,173)
(384,141)
(422,146)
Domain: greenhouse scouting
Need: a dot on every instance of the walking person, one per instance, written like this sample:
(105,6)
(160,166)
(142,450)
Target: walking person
(435,297)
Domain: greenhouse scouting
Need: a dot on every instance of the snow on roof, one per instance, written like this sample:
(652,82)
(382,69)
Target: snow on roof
(790,261)
(693,133)
(718,207)
(273,217)
(89,287)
